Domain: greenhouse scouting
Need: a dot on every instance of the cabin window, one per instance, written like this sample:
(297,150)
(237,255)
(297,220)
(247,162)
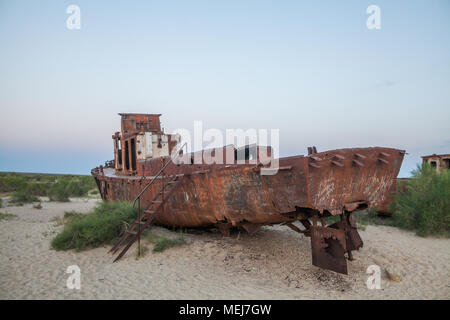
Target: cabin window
(159,142)
(142,125)
(127,158)
(119,151)
(119,155)
(246,153)
(433,164)
(133,154)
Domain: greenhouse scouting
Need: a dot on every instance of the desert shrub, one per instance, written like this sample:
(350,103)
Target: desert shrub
(70,186)
(75,188)
(68,217)
(23,196)
(425,205)
(39,188)
(6,216)
(34,184)
(162,242)
(59,192)
(371,217)
(44,184)
(165,243)
(88,182)
(104,225)
(72,215)
(12,182)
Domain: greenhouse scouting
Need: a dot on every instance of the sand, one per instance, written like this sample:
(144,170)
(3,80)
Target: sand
(273,264)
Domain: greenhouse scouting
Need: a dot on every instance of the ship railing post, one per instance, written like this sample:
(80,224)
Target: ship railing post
(139,227)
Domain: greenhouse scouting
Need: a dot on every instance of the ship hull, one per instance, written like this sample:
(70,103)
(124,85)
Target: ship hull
(323,184)
(233,187)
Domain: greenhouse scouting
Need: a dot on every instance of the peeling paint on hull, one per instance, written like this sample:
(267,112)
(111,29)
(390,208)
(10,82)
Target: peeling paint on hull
(191,194)
(325,183)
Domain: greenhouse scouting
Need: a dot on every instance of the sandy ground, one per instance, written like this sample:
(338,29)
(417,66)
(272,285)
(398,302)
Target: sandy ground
(273,264)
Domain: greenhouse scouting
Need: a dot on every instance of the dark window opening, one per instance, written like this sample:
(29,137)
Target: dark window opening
(447,163)
(127,158)
(142,126)
(133,154)
(119,151)
(104,188)
(119,155)
(433,164)
(247,153)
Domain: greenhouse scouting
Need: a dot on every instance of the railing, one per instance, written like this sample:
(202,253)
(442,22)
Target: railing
(110,164)
(157,175)
(138,198)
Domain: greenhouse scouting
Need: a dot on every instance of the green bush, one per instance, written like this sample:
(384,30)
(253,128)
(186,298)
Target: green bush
(70,186)
(162,242)
(425,205)
(58,187)
(104,225)
(12,182)
(59,192)
(23,196)
(72,215)
(75,188)
(6,216)
(39,188)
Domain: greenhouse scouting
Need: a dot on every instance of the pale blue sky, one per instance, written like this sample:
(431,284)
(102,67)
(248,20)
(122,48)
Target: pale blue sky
(311,69)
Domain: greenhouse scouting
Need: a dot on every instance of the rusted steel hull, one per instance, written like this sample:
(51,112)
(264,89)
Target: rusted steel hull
(312,187)
(234,189)
(327,183)
(386,208)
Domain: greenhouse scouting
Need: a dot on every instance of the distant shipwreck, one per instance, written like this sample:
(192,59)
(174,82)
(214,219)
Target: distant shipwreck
(170,189)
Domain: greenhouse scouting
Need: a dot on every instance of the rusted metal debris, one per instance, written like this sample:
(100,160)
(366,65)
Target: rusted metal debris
(328,248)
(305,189)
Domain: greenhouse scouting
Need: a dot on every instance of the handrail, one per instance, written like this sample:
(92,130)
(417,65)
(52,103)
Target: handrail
(157,175)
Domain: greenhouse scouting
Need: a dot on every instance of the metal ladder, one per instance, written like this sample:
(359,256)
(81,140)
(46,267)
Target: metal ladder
(144,220)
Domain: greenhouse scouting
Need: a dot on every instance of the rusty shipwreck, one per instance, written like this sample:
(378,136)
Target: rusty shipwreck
(151,169)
